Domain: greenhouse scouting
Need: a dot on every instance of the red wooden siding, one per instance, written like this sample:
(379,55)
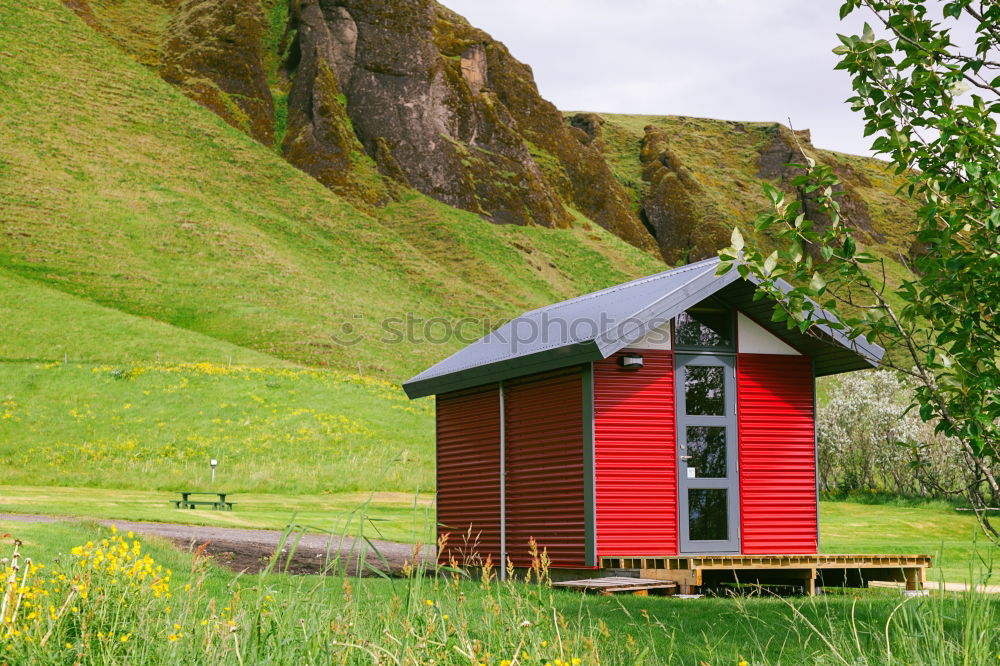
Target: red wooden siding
(468,474)
(777,454)
(544,461)
(634,457)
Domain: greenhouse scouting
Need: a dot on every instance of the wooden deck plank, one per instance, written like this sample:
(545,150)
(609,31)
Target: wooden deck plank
(612,584)
(686,570)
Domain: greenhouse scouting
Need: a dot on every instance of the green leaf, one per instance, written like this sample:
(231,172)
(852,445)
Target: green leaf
(771,262)
(817,284)
(849,247)
(866,258)
(737,239)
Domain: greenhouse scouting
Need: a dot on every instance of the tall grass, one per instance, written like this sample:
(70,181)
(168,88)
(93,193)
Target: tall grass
(442,615)
(943,628)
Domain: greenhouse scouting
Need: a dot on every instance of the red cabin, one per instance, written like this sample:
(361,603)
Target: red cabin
(667,416)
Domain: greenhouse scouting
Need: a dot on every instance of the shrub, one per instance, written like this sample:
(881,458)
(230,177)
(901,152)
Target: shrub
(871,441)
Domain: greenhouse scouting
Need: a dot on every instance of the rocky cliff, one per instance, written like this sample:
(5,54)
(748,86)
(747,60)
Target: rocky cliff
(374,97)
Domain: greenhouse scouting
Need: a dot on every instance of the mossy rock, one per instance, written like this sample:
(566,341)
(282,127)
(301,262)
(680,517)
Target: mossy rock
(320,141)
(212,51)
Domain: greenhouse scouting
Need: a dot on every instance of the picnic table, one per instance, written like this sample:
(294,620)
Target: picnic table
(185,502)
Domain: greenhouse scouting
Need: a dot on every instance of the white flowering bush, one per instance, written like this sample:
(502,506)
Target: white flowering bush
(870,441)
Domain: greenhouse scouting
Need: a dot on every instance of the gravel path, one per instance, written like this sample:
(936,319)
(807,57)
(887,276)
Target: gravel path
(250,550)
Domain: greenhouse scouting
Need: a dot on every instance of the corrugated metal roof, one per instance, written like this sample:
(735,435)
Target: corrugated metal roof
(594,326)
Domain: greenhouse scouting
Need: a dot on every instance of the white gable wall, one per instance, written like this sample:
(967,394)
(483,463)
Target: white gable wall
(658,338)
(755,339)
(752,339)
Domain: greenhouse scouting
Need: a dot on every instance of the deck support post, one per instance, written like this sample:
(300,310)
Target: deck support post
(915,578)
(810,583)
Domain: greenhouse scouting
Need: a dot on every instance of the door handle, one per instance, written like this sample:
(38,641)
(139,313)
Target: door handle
(685,458)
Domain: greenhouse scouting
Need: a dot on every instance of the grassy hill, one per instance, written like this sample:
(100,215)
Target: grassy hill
(723,157)
(141,406)
(186,273)
(721,166)
(155,426)
(116,188)
(42,324)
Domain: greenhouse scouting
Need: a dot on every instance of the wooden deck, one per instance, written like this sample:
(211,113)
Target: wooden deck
(696,572)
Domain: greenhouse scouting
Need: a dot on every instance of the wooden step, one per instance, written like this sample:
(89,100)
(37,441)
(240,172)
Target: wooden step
(611,584)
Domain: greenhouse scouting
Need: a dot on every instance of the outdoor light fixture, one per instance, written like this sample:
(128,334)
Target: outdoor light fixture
(213,463)
(630,361)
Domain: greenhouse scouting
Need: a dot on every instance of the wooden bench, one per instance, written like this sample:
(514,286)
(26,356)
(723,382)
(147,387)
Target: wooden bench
(220,504)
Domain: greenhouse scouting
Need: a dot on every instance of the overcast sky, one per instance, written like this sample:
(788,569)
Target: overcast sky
(755,60)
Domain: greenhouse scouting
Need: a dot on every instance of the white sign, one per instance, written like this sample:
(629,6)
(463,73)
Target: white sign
(692,473)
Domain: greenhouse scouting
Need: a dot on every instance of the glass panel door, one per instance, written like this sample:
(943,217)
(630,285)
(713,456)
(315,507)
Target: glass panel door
(708,482)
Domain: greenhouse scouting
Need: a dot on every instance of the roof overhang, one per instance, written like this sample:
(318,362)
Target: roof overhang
(550,359)
(832,351)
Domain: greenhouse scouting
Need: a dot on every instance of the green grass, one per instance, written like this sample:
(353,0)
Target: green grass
(845,527)
(188,274)
(48,543)
(934,529)
(228,619)
(393,516)
(35,329)
(150,426)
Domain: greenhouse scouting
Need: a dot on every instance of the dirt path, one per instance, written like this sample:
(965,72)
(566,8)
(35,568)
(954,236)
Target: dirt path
(948,587)
(250,550)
